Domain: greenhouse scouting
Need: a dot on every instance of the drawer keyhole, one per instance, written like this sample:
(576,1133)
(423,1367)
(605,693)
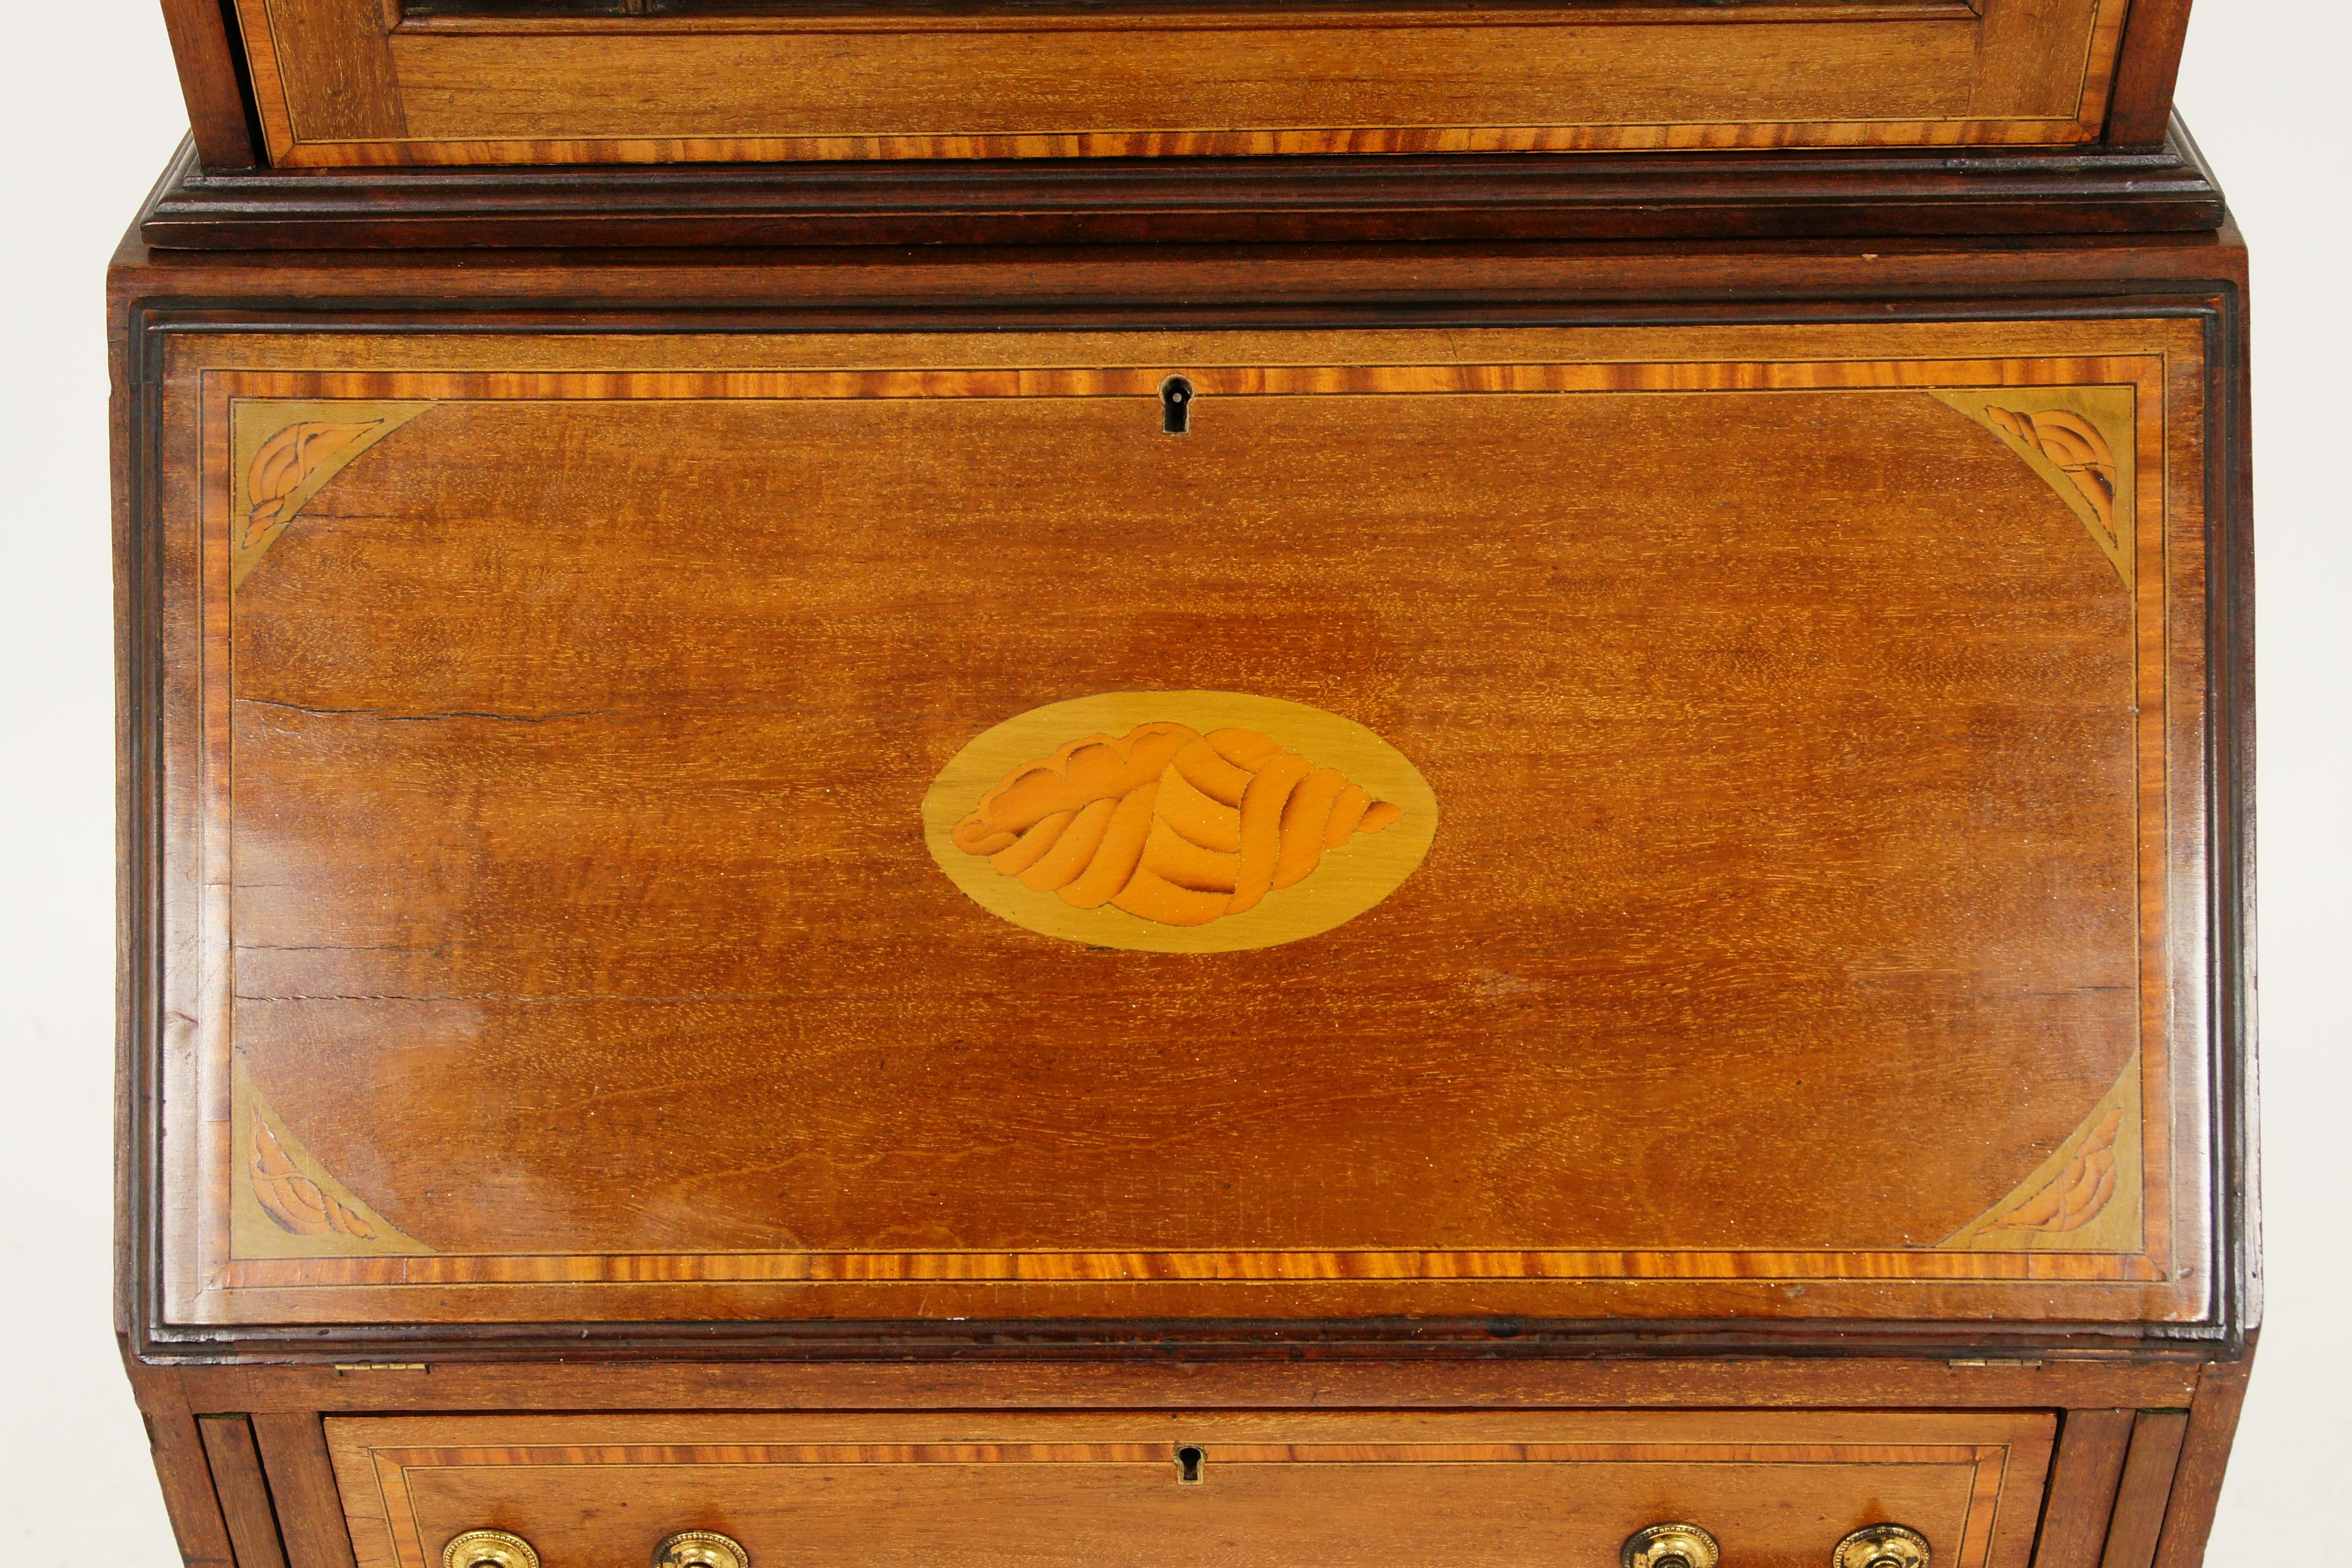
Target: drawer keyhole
(1176,406)
(1188,1465)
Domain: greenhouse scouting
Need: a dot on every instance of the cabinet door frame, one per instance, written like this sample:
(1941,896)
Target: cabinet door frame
(337,83)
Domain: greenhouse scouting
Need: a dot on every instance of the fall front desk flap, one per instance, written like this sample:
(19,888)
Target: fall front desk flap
(1644,823)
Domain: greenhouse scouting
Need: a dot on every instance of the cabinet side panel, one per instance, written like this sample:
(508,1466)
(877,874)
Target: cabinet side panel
(2082,1479)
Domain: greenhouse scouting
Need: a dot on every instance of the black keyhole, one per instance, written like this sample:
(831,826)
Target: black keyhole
(1188,1458)
(1176,418)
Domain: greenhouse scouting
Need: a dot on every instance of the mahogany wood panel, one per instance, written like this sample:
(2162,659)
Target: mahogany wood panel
(220,128)
(1590,196)
(2031,56)
(1275,1488)
(2083,1481)
(343,309)
(1342,286)
(2146,1487)
(338,84)
(302,1485)
(292,969)
(2141,107)
(199,1524)
(2204,1453)
(329,65)
(1513,1372)
(244,1493)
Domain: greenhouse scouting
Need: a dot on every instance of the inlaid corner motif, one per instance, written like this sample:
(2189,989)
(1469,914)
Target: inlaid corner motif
(281,455)
(1178,821)
(2080,439)
(2084,1198)
(284,1204)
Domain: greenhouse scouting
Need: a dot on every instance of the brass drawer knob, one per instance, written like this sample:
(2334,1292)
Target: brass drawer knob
(1670,1546)
(701,1549)
(1883,1546)
(488,1549)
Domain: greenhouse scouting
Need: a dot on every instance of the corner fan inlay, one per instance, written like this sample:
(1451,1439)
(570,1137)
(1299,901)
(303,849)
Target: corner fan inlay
(2080,440)
(282,454)
(297,1208)
(2085,1198)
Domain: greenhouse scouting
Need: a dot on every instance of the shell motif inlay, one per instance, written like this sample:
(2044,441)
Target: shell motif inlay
(1178,821)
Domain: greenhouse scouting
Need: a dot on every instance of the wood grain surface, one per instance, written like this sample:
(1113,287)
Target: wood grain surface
(2084,1476)
(208,57)
(243,1490)
(549,974)
(2146,1487)
(336,84)
(377,318)
(1778,1490)
(1792,194)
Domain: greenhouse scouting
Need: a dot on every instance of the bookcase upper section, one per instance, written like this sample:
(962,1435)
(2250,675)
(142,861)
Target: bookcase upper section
(372,83)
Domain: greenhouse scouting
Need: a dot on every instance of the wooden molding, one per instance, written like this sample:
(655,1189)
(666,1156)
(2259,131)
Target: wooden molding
(1751,196)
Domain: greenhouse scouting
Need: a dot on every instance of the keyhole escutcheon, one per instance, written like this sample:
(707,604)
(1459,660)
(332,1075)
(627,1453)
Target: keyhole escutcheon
(1176,413)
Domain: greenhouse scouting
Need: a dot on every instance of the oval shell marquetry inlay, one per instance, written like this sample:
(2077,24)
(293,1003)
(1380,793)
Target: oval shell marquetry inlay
(1178,821)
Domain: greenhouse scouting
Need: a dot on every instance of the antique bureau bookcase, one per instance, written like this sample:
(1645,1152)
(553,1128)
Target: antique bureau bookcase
(1288,785)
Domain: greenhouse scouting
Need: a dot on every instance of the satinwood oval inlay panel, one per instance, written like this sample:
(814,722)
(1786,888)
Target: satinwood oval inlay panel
(1178,821)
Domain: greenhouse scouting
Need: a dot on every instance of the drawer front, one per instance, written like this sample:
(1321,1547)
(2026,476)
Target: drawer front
(1286,1491)
(356,82)
(1660,822)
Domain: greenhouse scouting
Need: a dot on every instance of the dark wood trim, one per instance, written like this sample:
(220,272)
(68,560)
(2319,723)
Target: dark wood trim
(2204,1452)
(1566,196)
(2230,649)
(220,110)
(2139,105)
(243,1494)
(2081,1498)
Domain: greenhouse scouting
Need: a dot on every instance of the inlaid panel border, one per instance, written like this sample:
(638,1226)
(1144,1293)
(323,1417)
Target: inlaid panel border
(2149,374)
(2005,1456)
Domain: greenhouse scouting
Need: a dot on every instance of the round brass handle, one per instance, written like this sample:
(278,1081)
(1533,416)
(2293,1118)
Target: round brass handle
(1670,1546)
(1883,1546)
(700,1549)
(488,1549)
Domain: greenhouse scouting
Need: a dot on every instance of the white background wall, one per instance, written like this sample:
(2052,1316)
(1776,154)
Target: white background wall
(93,108)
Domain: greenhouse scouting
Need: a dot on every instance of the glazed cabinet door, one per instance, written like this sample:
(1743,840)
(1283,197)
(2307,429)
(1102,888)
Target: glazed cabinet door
(1571,823)
(343,83)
